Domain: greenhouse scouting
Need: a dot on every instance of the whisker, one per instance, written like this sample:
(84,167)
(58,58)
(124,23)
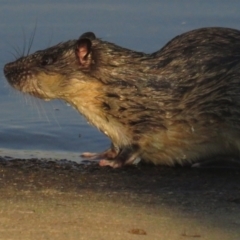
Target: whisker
(50,39)
(17,50)
(24,43)
(30,42)
(36,105)
(13,54)
(28,100)
(44,111)
(54,115)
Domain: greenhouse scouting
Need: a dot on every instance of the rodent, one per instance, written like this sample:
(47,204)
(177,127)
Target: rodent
(178,105)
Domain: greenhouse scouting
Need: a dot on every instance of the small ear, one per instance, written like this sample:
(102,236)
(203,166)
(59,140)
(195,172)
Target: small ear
(83,51)
(89,35)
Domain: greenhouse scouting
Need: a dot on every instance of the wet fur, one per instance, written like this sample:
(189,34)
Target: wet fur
(180,104)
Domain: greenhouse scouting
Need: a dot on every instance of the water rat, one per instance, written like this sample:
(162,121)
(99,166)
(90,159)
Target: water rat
(177,105)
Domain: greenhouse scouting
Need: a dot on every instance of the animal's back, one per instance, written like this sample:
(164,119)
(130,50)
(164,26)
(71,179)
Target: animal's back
(202,119)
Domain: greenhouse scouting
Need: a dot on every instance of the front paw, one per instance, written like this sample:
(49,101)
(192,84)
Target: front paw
(89,155)
(110,163)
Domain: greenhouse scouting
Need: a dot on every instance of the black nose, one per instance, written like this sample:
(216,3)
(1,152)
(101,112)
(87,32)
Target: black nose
(9,68)
(6,69)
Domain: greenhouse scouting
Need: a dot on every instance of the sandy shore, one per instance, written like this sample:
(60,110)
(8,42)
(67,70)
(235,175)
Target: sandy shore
(64,200)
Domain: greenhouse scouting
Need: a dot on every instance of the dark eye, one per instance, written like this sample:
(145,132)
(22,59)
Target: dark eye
(46,60)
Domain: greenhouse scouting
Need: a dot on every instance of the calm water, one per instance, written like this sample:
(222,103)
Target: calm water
(31,127)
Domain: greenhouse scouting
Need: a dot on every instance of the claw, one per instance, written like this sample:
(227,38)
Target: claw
(110,153)
(110,163)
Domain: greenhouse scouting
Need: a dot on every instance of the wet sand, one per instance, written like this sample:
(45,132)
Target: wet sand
(65,200)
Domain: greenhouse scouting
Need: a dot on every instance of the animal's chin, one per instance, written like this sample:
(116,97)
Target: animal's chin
(39,95)
(35,93)
(31,87)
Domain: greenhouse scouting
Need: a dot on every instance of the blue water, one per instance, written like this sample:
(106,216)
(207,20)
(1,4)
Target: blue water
(33,128)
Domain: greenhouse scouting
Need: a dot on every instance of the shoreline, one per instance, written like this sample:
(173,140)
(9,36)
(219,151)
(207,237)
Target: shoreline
(66,200)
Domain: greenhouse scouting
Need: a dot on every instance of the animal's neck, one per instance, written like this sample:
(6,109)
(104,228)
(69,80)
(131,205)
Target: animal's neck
(89,102)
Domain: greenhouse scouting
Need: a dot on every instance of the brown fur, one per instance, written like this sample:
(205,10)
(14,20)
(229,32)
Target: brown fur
(180,104)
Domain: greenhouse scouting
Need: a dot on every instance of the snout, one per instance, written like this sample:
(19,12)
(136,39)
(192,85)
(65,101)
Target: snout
(7,69)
